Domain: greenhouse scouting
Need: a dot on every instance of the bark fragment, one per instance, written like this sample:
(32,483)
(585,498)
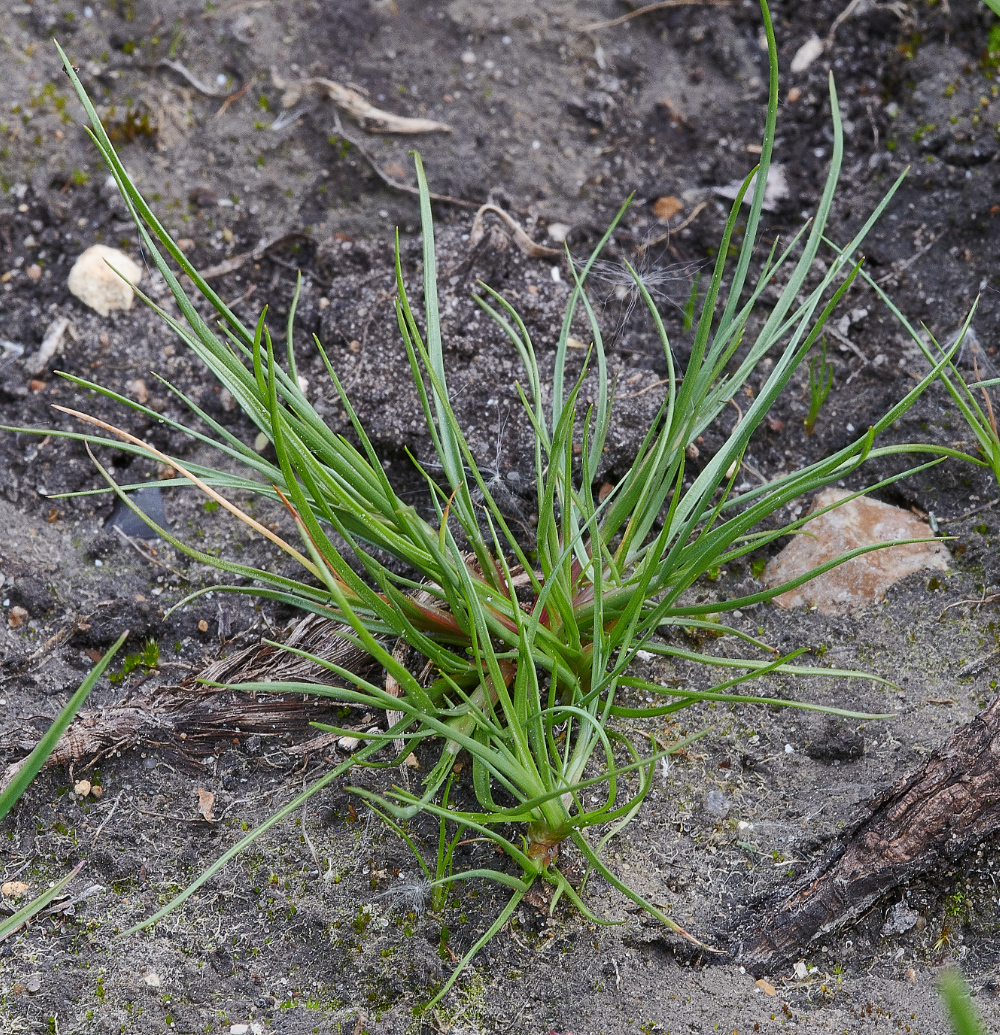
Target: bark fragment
(193,717)
(924,822)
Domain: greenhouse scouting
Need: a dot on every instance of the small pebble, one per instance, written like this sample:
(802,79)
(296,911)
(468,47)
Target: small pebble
(96,284)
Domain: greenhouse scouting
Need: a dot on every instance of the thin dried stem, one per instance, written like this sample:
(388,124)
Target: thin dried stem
(196,481)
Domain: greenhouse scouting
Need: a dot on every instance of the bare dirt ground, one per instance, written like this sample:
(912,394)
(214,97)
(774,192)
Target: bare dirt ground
(322,926)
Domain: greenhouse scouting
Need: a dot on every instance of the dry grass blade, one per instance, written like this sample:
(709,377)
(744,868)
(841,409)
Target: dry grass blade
(194,479)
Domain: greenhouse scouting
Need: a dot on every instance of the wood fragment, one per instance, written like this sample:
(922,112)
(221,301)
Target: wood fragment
(922,824)
(192,717)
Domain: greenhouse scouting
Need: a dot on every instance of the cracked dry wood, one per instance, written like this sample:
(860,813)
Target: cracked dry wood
(193,716)
(926,821)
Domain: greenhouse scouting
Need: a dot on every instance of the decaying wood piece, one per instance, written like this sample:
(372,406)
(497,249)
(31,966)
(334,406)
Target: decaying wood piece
(194,716)
(925,822)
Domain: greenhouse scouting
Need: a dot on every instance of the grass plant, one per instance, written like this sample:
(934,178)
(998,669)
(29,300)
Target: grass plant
(529,644)
(30,768)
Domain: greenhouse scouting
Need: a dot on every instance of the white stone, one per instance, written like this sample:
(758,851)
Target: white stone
(775,188)
(807,54)
(93,280)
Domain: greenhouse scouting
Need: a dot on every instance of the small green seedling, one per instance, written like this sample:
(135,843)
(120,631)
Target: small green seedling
(146,658)
(819,387)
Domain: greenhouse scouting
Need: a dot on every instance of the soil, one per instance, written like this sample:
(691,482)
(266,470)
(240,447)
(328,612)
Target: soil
(323,926)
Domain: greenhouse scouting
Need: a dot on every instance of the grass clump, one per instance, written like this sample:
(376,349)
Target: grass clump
(529,645)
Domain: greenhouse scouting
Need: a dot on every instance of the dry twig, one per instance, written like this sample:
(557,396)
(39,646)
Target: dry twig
(650,8)
(208,91)
(385,177)
(521,239)
(695,212)
(370,118)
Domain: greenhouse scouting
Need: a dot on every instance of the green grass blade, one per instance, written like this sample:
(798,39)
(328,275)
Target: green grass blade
(962,1015)
(12,924)
(33,763)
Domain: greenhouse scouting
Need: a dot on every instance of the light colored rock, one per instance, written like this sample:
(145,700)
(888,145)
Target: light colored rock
(863,580)
(807,54)
(901,919)
(775,188)
(96,284)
